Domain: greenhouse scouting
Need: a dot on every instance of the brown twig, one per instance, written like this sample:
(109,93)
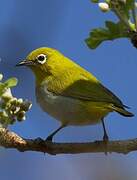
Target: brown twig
(10,139)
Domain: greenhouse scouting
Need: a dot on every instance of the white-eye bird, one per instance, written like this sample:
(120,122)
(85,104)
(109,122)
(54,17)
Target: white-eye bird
(68,92)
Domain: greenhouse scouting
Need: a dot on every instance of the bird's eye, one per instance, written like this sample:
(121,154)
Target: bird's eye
(41,58)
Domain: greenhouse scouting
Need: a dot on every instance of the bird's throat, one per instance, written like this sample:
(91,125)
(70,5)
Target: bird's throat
(40,76)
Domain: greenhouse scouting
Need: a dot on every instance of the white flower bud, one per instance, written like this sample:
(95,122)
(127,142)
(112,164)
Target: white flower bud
(104,7)
(24,118)
(1,77)
(20,100)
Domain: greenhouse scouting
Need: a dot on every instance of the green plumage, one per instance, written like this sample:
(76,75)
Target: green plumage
(69,93)
(66,78)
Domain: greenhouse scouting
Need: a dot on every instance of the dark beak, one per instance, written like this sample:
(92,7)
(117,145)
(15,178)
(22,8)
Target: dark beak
(25,63)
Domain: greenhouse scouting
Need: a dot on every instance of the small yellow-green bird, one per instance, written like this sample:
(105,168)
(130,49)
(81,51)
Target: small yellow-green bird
(68,92)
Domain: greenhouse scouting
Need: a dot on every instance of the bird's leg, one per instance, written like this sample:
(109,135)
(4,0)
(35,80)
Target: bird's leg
(105,137)
(50,137)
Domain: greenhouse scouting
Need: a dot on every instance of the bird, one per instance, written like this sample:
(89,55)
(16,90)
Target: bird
(69,93)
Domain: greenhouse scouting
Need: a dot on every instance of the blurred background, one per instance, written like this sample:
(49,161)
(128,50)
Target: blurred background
(64,25)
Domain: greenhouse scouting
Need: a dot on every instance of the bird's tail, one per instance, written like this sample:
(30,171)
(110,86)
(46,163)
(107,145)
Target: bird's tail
(122,111)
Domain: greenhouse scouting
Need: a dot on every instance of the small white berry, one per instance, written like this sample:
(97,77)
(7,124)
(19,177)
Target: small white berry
(1,76)
(104,7)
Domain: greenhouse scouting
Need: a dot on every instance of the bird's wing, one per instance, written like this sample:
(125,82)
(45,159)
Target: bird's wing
(84,86)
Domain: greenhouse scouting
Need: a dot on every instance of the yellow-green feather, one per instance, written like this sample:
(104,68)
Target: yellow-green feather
(66,78)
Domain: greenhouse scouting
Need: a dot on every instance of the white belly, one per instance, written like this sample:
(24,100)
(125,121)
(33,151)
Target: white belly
(67,110)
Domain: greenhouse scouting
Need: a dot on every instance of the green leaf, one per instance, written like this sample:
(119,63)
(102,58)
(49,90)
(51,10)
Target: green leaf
(11,82)
(111,32)
(97,36)
(129,5)
(116,29)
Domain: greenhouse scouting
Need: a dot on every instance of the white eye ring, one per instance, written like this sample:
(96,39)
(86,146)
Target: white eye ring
(41,58)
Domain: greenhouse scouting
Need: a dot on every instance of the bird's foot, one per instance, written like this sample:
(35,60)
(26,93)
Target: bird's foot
(105,141)
(39,140)
(105,138)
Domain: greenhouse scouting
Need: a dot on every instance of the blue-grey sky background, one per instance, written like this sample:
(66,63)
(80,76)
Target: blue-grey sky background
(64,25)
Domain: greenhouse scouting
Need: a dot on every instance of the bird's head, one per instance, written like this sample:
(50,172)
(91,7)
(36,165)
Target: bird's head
(43,62)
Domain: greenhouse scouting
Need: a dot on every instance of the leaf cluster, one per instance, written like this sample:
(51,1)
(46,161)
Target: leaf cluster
(124,28)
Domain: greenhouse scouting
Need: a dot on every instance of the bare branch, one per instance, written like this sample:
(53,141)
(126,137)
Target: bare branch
(10,139)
